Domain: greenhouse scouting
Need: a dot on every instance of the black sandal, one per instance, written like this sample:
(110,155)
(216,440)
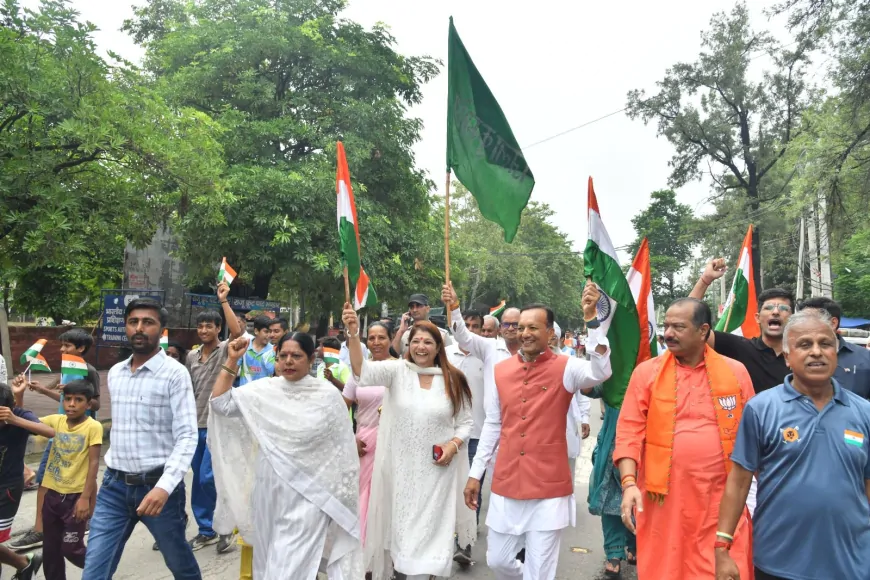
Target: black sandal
(616,563)
(631,558)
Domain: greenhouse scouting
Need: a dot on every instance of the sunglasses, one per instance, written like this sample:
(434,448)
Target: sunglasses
(780,307)
(510,324)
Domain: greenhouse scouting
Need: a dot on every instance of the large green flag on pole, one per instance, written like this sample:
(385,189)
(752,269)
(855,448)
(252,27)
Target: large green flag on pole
(481,148)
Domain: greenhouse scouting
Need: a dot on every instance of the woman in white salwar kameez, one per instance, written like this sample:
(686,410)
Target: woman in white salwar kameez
(286,467)
(416,504)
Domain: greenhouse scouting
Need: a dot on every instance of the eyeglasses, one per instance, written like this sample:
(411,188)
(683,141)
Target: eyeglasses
(510,324)
(780,307)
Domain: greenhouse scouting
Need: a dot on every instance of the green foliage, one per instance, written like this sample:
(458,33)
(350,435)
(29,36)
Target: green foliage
(90,158)
(286,80)
(666,224)
(538,266)
(715,115)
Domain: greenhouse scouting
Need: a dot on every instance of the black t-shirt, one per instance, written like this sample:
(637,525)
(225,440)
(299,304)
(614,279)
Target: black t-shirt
(766,369)
(13,445)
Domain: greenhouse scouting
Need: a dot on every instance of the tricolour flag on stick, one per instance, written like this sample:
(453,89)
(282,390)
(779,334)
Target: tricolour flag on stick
(497,310)
(481,148)
(33,358)
(738,315)
(164,339)
(617,312)
(640,281)
(348,236)
(226,273)
(330,355)
(71,364)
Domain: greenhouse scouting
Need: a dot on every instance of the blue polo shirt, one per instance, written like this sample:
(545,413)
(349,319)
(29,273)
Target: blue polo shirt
(853,368)
(812,520)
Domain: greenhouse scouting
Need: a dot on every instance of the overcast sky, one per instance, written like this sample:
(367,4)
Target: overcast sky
(552,65)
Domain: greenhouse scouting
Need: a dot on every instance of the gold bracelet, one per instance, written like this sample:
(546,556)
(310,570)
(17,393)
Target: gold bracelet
(230,371)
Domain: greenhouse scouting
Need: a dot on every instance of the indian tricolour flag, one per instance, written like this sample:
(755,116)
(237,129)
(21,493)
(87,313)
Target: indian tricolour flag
(739,308)
(348,236)
(164,339)
(498,309)
(71,364)
(226,273)
(330,355)
(33,358)
(617,313)
(640,281)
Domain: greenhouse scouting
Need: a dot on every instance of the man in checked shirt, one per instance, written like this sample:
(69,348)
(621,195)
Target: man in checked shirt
(154,437)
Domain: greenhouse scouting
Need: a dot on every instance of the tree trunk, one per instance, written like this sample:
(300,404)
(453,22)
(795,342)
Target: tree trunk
(754,205)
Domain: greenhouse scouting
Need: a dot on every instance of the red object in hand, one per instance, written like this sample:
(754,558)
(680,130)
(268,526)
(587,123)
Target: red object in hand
(437,452)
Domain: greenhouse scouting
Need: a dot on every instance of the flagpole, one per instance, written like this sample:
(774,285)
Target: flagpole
(346,287)
(447,240)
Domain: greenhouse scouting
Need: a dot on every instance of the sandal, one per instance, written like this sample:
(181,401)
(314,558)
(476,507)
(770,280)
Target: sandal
(630,558)
(614,563)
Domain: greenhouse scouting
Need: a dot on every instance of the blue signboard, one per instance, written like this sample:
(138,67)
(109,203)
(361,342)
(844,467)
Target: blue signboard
(243,304)
(114,330)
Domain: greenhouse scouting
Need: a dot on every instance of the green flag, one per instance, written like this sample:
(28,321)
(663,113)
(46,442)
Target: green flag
(481,148)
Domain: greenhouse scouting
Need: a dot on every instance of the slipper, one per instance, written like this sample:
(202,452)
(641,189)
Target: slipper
(630,558)
(614,562)
(31,485)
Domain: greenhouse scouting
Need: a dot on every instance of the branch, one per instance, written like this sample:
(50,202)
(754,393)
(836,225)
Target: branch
(9,122)
(78,161)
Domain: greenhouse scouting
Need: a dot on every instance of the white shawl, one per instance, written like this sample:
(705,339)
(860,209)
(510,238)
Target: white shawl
(303,429)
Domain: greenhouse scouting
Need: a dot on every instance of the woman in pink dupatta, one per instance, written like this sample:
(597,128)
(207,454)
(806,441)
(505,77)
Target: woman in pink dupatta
(368,400)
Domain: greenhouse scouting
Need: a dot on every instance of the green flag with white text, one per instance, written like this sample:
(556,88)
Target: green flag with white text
(481,148)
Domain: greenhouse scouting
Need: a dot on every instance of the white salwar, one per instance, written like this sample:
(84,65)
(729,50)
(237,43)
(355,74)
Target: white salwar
(416,507)
(287,476)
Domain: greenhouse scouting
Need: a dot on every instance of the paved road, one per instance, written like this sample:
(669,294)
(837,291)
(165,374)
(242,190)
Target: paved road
(586,563)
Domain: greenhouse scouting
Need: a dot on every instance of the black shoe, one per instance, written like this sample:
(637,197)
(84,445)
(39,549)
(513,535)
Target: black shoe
(521,556)
(35,562)
(199,541)
(28,541)
(462,556)
(225,543)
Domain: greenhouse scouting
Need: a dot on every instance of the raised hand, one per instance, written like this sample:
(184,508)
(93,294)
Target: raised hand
(223,290)
(589,301)
(350,319)
(237,348)
(448,295)
(714,270)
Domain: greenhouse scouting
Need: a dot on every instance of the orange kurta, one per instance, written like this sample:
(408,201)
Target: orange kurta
(675,540)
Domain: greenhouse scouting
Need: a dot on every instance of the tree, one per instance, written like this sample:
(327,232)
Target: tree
(286,80)
(665,223)
(538,266)
(714,115)
(89,158)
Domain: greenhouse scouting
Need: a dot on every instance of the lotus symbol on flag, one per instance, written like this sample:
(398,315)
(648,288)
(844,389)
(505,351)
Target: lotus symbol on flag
(728,404)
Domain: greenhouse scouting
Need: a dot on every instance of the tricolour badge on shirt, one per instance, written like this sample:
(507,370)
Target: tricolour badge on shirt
(853,438)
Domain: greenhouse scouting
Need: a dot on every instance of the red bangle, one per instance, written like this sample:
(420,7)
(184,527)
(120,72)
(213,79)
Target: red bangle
(723,545)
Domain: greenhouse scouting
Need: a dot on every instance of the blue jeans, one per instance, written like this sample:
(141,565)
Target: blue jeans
(113,522)
(203,494)
(40,473)
(472,451)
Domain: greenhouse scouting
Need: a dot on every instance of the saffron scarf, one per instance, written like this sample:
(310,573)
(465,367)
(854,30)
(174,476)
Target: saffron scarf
(661,417)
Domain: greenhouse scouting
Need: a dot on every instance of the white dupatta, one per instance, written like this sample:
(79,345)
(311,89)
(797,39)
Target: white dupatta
(304,431)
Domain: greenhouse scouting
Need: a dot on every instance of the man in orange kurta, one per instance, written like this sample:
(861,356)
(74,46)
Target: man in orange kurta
(678,424)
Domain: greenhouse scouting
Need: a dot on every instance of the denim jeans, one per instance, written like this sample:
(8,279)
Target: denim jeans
(472,451)
(203,494)
(113,522)
(43,463)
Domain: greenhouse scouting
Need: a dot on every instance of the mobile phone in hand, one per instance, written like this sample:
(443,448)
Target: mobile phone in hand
(437,452)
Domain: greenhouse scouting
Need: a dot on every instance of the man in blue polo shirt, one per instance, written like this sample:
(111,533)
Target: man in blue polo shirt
(808,442)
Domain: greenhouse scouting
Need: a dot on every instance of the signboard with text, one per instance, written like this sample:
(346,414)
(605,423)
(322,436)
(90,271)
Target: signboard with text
(114,303)
(242,304)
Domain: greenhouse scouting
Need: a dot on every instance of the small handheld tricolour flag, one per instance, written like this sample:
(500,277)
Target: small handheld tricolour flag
(226,273)
(164,339)
(71,364)
(498,309)
(640,281)
(737,317)
(33,358)
(330,355)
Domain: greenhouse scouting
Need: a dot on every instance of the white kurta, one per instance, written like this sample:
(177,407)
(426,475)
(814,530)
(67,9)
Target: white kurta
(287,471)
(416,507)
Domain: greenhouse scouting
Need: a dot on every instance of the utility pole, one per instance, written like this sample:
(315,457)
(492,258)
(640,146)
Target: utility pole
(824,250)
(801,257)
(813,247)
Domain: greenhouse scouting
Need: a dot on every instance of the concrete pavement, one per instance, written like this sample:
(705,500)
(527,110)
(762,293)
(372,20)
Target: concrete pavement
(581,554)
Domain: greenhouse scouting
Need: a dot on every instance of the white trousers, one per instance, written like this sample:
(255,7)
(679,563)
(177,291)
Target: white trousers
(750,499)
(542,555)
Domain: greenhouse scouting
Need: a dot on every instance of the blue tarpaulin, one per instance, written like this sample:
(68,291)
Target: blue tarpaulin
(853,322)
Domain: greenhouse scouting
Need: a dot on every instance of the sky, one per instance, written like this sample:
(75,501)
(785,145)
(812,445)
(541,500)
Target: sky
(552,65)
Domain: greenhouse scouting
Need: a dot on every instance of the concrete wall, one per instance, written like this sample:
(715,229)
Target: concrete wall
(154,268)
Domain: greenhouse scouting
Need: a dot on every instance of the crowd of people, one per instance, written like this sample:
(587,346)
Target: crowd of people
(366,457)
